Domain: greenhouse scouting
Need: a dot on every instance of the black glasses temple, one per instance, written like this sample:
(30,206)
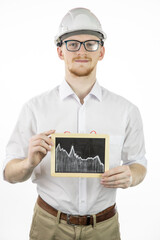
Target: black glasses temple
(102,43)
(59,44)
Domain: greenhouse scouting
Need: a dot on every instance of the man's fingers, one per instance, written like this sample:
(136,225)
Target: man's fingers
(44,137)
(113,178)
(49,132)
(119,177)
(42,143)
(114,171)
(40,149)
(124,183)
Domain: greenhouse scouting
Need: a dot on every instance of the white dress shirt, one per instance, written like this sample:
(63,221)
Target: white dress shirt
(60,109)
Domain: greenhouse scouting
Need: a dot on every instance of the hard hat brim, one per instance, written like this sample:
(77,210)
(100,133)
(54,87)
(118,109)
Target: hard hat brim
(101,35)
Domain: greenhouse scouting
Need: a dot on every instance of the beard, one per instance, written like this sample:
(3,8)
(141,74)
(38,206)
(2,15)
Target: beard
(81,70)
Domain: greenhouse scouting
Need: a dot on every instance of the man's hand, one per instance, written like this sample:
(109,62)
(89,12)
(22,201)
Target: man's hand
(119,177)
(39,146)
(19,170)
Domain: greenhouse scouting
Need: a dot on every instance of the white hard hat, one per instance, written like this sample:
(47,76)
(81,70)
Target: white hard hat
(79,21)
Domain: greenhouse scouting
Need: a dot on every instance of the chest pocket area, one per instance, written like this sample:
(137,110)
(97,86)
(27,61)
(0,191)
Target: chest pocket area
(115,149)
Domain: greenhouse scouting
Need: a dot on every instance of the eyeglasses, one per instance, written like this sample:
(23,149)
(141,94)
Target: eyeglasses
(89,45)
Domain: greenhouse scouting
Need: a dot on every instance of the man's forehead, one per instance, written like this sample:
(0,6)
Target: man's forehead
(82,37)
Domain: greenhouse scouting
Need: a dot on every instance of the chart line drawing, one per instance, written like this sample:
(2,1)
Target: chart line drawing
(72,162)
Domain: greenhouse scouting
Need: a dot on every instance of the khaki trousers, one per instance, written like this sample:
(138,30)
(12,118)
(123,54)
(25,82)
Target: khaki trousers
(47,227)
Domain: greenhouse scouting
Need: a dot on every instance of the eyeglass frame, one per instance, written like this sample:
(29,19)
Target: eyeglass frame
(100,42)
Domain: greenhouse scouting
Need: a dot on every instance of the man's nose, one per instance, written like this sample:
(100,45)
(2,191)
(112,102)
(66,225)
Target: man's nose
(82,48)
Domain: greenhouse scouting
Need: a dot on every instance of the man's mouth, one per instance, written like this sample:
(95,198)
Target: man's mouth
(79,60)
(82,61)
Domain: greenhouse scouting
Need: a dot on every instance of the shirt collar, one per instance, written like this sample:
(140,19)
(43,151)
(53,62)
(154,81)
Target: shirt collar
(65,91)
(96,91)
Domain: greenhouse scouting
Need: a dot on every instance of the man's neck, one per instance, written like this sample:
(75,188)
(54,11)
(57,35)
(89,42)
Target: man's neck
(81,85)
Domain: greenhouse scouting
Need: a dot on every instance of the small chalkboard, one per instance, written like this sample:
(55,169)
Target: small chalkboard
(79,155)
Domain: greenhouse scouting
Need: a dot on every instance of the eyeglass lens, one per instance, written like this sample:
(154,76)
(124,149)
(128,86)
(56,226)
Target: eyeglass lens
(73,45)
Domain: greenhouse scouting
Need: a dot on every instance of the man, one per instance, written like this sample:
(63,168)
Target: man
(77,208)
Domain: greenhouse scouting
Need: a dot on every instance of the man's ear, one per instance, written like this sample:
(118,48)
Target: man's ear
(102,53)
(60,53)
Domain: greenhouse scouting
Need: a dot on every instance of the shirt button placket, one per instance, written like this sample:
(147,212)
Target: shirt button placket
(81,120)
(82,181)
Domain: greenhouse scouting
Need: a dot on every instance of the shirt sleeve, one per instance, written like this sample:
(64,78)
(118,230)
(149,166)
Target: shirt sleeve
(134,147)
(17,147)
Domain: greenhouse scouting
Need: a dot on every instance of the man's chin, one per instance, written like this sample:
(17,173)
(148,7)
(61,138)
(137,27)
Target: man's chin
(81,73)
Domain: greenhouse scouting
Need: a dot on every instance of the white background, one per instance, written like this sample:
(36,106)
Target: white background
(29,65)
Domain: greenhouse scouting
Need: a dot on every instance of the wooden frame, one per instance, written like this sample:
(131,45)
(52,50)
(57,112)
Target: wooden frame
(79,155)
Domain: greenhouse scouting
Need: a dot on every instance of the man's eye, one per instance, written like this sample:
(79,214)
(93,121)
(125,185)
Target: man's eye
(73,45)
(90,45)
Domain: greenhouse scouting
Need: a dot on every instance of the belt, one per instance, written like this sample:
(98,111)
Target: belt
(76,219)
